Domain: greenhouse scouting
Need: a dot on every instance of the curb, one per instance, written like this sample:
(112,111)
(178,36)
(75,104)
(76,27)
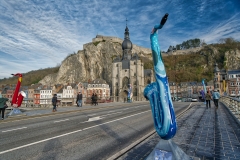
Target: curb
(118,154)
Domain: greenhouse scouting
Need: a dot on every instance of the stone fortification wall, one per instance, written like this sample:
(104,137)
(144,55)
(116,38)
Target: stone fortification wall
(136,48)
(186,51)
(107,38)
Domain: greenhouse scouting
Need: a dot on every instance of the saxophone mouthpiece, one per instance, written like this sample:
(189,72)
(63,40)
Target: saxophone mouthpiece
(164,19)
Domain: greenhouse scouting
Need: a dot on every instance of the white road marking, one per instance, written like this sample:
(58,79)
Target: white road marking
(61,120)
(62,135)
(94,119)
(110,114)
(125,109)
(14,129)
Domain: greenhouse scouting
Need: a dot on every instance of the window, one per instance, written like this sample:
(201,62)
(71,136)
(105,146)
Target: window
(116,65)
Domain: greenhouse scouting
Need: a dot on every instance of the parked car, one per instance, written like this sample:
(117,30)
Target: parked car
(194,100)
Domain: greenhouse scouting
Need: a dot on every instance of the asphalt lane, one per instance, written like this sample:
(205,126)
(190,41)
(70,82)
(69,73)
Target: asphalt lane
(84,134)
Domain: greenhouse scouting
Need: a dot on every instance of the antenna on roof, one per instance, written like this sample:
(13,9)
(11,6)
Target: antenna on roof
(126,21)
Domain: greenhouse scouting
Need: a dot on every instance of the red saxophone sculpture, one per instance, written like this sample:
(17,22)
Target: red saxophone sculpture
(18,96)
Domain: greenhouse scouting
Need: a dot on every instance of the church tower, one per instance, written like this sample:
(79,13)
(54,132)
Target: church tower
(128,70)
(126,46)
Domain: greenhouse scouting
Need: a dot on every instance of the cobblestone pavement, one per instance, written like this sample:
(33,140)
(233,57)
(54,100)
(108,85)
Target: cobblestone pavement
(210,134)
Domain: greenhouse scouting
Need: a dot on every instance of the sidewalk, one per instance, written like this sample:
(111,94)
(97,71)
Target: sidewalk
(203,133)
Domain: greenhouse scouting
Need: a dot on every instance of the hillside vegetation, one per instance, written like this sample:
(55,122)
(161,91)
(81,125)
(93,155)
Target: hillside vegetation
(31,77)
(196,66)
(179,68)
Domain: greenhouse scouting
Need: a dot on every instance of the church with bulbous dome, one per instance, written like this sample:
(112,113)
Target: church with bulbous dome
(128,70)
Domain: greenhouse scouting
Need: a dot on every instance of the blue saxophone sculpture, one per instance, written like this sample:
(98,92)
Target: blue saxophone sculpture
(204,89)
(129,97)
(158,93)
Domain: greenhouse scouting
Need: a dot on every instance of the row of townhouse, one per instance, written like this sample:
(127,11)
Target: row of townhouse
(188,89)
(42,94)
(227,81)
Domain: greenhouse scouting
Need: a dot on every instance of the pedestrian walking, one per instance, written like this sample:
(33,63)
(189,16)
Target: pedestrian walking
(2,105)
(54,102)
(216,96)
(79,99)
(208,99)
(93,99)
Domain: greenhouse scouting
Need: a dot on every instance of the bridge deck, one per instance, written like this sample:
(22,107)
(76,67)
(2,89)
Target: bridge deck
(204,133)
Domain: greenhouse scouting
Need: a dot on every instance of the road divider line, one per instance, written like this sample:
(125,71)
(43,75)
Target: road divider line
(61,120)
(14,129)
(66,134)
(110,114)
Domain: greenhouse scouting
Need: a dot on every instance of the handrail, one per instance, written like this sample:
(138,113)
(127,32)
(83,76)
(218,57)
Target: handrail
(233,104)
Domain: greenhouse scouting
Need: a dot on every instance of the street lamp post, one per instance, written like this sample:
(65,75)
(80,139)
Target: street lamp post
(175,77)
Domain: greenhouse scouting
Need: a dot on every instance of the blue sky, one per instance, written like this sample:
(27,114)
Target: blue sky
(38,34)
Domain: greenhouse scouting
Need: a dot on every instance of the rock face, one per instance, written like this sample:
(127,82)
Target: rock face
(94,61)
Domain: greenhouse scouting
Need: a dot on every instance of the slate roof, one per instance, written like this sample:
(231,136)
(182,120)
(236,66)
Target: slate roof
(118,59)
(98,81)
(235,71)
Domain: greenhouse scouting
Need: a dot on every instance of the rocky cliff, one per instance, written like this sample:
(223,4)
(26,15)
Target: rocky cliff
(94,61)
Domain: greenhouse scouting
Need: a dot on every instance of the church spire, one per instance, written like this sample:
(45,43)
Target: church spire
(126,34)
(127,44)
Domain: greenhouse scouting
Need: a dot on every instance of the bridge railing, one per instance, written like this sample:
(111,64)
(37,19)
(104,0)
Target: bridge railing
(64,102)
(233,105)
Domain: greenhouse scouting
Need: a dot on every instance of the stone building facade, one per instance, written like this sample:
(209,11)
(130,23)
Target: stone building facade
(100,87)
(128,69)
